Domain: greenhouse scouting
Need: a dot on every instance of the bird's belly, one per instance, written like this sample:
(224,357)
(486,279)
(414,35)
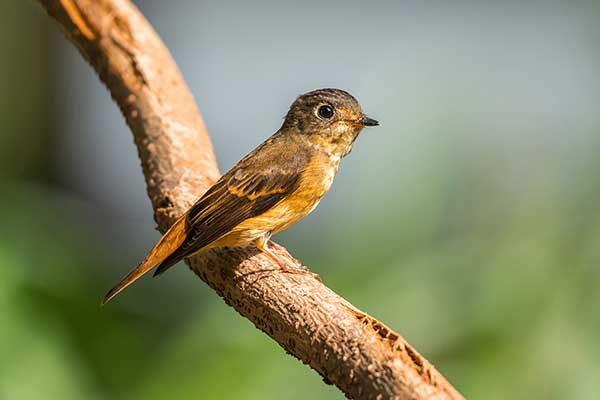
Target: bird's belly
(280,217)
(287,214)
(275,220)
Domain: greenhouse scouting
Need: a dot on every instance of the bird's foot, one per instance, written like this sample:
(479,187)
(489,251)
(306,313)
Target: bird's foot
(286,267)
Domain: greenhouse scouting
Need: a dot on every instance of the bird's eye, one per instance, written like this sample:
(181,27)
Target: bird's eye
(325,112)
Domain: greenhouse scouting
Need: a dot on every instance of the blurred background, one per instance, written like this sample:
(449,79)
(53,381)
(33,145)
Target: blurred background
(468,221)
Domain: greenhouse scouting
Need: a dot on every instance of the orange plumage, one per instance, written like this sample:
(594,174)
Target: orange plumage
(270,189)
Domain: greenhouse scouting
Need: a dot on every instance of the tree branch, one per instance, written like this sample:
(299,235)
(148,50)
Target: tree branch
(349,348)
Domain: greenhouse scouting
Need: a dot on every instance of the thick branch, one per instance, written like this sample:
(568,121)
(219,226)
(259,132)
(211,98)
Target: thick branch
(350,349)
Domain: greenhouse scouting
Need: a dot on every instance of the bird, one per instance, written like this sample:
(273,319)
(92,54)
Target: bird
(270,189)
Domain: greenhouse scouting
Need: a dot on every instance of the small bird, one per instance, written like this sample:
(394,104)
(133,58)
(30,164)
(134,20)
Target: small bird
(269,190)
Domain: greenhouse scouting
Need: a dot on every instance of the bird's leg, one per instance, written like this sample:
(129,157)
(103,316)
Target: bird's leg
(262,243)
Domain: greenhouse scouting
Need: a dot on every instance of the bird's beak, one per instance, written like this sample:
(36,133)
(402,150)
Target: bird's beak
(366,121)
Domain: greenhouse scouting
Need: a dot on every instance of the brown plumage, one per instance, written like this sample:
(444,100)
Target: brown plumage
(270,189)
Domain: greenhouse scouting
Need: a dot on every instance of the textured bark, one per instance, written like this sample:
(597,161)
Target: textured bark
(350,349)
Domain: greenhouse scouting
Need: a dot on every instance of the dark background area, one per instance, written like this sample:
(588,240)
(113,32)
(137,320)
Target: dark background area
(468,221)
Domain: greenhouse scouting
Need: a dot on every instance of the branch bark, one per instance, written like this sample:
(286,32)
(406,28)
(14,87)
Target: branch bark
(349,348)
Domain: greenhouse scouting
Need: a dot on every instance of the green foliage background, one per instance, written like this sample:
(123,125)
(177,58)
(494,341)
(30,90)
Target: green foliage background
(485,261)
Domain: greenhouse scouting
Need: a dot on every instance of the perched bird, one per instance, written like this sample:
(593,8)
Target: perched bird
(272,188)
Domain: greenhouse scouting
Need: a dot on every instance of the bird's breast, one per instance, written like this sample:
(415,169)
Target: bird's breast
(315,183)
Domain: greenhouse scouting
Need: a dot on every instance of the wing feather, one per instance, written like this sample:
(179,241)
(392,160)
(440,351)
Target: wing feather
(233,200)
(257,183)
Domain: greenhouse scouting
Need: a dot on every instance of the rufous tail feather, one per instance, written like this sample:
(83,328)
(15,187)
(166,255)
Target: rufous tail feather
(168,244)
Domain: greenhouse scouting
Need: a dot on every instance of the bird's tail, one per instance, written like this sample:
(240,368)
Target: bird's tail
(168,244)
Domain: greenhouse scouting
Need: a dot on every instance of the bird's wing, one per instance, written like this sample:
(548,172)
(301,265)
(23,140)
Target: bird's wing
(256,184)
(245,194)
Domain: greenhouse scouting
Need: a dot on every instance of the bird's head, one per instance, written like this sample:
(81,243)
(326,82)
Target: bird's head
(329,119)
